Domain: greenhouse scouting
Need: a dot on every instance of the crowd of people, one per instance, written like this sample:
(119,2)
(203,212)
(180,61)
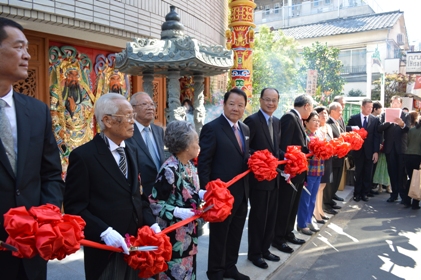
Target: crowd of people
(121,180)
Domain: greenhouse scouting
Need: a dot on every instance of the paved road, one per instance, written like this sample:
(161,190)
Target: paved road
(366,240)
(71,268)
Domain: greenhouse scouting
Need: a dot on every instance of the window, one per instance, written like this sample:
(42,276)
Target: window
(277,8)
(316,3)
(267,10)
(327,1)
(354,61)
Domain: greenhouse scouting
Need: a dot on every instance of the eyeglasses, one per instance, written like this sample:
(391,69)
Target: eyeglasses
(128,117)
(268,100)
(146,104)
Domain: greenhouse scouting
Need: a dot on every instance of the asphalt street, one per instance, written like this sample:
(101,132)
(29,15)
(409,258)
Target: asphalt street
(366,240)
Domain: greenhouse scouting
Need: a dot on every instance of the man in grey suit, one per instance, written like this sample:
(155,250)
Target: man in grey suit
(30,169)
(148,139)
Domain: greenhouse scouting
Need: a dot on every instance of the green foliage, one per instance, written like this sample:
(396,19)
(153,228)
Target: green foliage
(355,92)
(325,60)
(395,84)
(274,57)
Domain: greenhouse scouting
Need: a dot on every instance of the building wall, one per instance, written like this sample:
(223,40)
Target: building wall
(114,22)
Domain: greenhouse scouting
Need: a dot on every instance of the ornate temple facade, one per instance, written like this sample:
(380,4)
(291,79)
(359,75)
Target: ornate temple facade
(73,45)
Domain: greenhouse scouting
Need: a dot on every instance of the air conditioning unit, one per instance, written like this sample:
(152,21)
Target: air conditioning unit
(400,39)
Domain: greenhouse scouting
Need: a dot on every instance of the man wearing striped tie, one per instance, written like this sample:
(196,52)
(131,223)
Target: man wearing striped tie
(102,186)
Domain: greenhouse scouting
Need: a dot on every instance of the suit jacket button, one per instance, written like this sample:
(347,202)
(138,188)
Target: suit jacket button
(17,192)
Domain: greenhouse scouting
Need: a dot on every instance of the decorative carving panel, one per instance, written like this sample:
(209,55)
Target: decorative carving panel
(29,85)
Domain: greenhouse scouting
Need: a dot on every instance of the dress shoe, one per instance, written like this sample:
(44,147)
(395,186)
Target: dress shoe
(336,207)
(324,218)
(389,189)
(271,257)
(320,221)
(260,263)
(305,231)
(337,198)
(364,198)
(357,198)
(313,228)
(295,240)
(391,199)
(374,192)
(233,273)
(283,247)
(331,211)
(415,207)
(406,205)
(370,195)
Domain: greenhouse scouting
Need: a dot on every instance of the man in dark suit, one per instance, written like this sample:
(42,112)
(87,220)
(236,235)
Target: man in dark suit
(102,186)
(224,151)
(293,135)
(151,156)
(329,192)
(369,152)
(265,133)
(394,135)
(30,170)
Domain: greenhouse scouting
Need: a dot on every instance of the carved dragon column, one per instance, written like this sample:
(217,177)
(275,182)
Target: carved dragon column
(240,38)
(148,83)
(199,101)
(174,110)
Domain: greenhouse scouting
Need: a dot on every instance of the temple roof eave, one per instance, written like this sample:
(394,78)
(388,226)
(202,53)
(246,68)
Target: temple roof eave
(163,56)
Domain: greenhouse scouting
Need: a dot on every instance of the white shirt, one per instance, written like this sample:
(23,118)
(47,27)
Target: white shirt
(113,148)
(143,133)
(10,110)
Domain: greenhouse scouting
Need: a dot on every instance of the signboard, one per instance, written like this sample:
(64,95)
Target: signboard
(311,82)
(413,62)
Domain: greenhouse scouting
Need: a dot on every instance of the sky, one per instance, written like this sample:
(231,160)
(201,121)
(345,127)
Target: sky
(411,9)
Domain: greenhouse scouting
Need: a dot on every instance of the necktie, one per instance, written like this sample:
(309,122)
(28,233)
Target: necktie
(270,125)
(122,164)
(365,122)
(238,136)
(7,136)
(151,149)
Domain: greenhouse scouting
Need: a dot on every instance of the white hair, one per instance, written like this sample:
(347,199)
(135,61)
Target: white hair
(106,105)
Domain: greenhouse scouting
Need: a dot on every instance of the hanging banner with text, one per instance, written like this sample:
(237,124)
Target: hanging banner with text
(311,82)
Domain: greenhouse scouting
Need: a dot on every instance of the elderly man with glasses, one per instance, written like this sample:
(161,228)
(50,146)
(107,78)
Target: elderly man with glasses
(103,187)
(148,140)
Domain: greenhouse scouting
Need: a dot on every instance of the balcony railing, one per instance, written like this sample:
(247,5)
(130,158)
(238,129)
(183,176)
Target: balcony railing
(280,13)
(353,69)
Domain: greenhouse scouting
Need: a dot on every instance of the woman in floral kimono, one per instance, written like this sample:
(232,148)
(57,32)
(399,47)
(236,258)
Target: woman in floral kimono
(175,195)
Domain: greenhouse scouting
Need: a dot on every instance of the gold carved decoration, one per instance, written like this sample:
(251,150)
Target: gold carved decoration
(27,86)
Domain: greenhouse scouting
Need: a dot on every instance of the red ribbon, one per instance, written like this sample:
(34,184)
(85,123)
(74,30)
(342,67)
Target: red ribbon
(354,139)
(43,230)
(149,262)
(321,149)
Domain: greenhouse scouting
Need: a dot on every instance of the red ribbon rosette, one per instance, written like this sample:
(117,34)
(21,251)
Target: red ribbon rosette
(21,227)
(218,195)
(43,230)
(321,149)
(354,139)
(263,164)
(149,262)
(296,161)
(341,147)
(362,132)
